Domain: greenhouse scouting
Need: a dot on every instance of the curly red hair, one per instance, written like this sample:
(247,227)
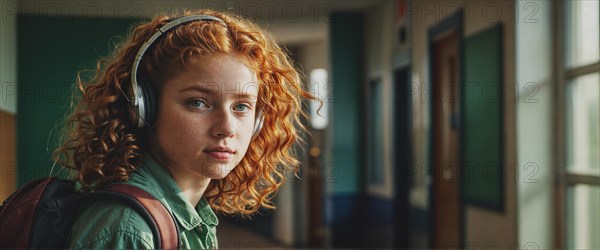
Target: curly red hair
(101,144)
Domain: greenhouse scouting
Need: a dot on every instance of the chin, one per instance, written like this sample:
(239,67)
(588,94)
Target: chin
(217,171)
(218,176)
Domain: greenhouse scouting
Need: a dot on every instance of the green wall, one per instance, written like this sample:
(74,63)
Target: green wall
(346,47)
(51,50)
(482,137)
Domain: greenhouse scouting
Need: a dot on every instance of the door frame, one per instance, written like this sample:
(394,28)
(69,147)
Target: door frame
(402,177)
(452,23)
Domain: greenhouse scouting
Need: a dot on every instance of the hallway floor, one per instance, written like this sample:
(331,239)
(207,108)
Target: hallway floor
(231,235)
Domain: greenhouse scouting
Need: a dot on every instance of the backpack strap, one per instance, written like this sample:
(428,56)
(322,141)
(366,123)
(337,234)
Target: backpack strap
(17,212)
(160,220)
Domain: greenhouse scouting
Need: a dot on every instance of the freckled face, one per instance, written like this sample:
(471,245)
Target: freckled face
(206,116)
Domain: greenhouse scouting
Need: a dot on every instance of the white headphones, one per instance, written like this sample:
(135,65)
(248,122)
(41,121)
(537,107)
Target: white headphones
(144,97)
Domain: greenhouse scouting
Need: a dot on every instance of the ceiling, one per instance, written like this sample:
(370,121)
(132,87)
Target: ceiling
(290,22)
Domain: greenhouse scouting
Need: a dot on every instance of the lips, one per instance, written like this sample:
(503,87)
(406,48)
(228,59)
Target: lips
(220,152)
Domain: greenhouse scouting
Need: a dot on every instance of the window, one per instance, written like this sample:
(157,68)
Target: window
(319,87)
(581,92)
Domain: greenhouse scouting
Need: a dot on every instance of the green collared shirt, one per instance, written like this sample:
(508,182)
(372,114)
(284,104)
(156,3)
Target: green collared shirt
(109,224)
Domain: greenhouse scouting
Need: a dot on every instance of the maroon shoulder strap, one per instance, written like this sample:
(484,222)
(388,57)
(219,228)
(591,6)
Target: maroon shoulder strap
(162,217)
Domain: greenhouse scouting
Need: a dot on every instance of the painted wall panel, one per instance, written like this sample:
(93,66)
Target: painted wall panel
(50,53)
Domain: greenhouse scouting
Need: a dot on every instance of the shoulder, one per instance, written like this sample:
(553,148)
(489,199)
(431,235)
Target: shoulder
(110,224)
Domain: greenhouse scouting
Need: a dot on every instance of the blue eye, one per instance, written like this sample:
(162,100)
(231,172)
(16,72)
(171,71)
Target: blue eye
(241,108)
(197,104)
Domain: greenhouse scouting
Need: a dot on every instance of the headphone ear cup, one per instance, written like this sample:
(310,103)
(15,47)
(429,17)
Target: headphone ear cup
(258,124)
(150,105)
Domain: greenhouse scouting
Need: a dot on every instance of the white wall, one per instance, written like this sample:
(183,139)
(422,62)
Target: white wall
(487,228)
(8,56)
(534,126)
(283,216)
(311,55)
(379,30)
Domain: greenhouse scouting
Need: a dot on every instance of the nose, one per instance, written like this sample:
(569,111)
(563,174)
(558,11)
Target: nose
(224,125)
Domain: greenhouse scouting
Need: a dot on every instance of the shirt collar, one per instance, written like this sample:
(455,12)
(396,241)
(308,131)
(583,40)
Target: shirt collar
(167,191)
(206,213)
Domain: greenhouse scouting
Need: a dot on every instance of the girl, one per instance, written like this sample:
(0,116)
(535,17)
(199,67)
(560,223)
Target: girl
(200,110)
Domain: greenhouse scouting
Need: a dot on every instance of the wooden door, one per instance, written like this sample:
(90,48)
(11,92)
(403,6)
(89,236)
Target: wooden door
(446,175)
(8,155)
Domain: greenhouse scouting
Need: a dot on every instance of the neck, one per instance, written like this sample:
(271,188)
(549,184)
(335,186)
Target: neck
(193,188)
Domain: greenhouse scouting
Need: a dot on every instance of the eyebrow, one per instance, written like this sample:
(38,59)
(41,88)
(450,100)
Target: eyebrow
(212,91)
(200,89)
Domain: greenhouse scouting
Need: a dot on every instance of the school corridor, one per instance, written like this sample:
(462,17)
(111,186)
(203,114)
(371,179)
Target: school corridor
(453,124)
